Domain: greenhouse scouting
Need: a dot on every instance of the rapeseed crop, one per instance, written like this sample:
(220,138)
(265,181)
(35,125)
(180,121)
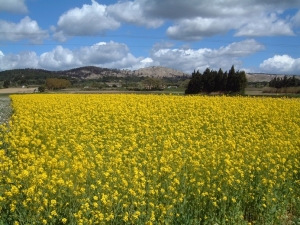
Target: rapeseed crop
(150,159)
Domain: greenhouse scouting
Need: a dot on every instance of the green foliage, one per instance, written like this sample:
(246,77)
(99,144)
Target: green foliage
(217,81)
(153,84)
(42,88)
(6,83)
(284,82)
(19,77)
(55,83)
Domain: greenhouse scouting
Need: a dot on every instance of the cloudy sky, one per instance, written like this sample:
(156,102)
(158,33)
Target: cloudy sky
(253,35)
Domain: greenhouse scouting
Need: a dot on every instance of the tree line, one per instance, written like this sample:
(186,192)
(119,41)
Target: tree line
(284,82)
(56,83)
(217,81)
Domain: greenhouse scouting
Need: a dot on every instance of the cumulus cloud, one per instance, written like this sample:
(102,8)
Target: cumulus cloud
(26,59)
(190,20)
(117,55)
(58,58)
(213,9)
(194,8)
(194,20)
(200,59)
(239,49)
(13,6)
(87,20)
(260,25)
(61,58)
(25,29)
(296,19)
(132,12)
(266,26)
(281,64)
(102,54)
(198,28)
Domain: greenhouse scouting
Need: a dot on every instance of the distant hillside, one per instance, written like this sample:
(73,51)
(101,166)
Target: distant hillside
(263,77)
(91,72)
(158,71)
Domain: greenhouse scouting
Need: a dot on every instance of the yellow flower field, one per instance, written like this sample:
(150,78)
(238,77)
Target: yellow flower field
(150,159)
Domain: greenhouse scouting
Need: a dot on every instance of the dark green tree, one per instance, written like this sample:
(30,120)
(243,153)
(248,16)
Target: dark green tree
(230,86)
(242,81)
(213,81)
(195,85)
(219,80)
(42,88)
(6,83)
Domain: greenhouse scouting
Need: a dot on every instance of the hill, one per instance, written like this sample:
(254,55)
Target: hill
(22,76)
(263,77)
(91,72)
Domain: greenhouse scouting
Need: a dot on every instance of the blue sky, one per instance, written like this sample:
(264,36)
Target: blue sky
(253,35)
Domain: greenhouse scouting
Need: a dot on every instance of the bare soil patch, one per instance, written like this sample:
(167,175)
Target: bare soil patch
(18,90)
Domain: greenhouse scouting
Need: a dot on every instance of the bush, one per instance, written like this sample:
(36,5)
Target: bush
(42,88)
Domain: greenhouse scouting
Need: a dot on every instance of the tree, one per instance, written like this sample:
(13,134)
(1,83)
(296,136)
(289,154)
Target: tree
(6,83)
(285,82)
(195,85)
(242,81)
(152,83)
(213,81)
(41,88)
(219,80)
(231,80)
(56,83)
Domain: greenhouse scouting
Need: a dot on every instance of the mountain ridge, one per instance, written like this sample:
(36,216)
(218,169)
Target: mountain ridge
(93,72)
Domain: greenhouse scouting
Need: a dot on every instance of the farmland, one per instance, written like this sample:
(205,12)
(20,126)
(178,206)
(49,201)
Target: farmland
(150,159)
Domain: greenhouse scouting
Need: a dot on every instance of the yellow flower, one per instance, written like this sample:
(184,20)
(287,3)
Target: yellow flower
(146,154)
(53,203)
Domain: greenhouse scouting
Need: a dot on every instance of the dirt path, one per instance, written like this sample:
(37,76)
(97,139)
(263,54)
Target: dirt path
(17,90)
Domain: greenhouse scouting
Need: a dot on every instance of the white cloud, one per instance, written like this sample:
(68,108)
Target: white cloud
(214,9)
(110,55)
(198,28)
(25,29)
(117,55)
(200,59)
(132,12)
(13,6)
(259,25)
(296,19)
(190,20)
(58,58)
(88,20)
(194,20)
(103,54)
(22,60)
(239,49)
(281,64)
(266,26)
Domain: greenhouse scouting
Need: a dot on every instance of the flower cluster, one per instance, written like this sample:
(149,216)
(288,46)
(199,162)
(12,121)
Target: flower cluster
(149,159)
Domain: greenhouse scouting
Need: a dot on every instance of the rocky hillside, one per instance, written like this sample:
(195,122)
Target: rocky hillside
(262,77)
(158,71)
(92,72)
